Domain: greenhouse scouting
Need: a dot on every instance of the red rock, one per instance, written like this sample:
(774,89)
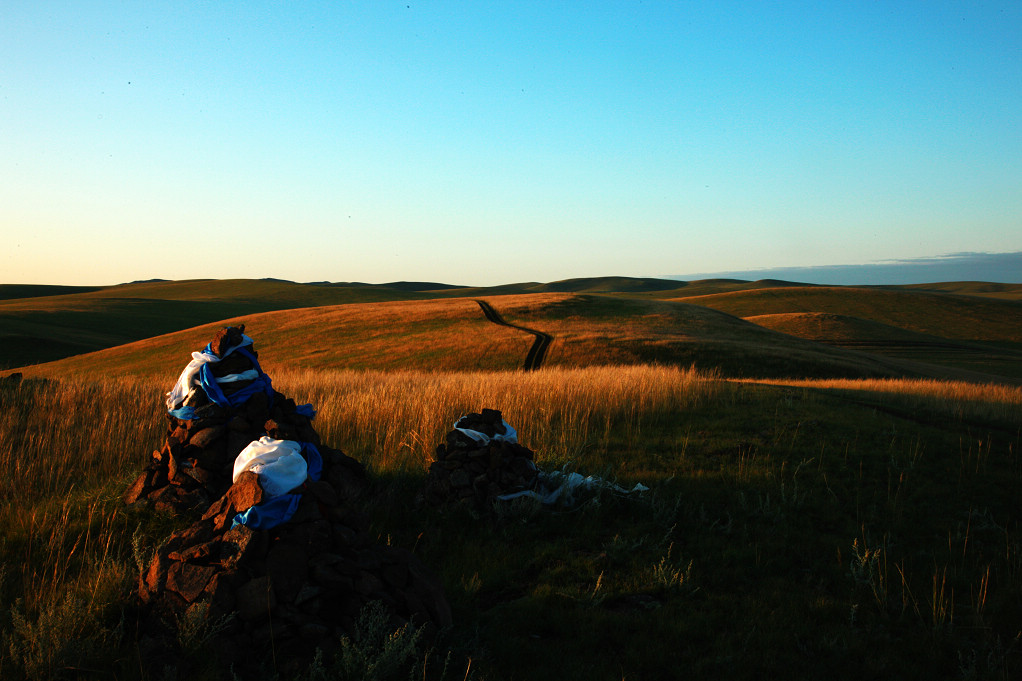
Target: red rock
(142,486)
(246,492)
(199,553)
(205,437)
(238,544)
(225,339)
(188,580)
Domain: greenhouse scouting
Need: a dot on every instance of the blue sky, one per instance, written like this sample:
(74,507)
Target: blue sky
(484,143)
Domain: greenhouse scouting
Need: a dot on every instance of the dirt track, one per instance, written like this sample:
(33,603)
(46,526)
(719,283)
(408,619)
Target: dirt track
(534,359)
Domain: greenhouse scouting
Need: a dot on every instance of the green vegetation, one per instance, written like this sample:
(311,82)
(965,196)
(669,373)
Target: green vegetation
(946,315)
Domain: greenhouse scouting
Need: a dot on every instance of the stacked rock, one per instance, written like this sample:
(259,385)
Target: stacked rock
(294,585)
(205,434)
(480,461)
(296,588)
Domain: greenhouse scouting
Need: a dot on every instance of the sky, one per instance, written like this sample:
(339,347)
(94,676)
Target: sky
(482,143)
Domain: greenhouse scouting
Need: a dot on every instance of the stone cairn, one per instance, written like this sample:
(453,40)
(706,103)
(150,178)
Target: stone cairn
(480,461)
(291,589)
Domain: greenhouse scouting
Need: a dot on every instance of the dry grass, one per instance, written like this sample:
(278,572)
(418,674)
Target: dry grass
(55,436)
(396,419)
(445,335)
(750,546)
(994,402)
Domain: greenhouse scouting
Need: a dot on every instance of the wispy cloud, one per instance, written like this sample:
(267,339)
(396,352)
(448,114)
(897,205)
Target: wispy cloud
(962,266)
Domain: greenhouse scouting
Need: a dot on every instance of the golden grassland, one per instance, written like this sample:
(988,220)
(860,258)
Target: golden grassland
(440,334)
(452,334)
(69,447)
(783,518)
(396,419)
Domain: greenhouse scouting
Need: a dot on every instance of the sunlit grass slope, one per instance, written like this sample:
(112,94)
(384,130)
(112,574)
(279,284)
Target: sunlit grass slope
(602,330)
(433,335)
(968,334)
(452,334)
(49,327)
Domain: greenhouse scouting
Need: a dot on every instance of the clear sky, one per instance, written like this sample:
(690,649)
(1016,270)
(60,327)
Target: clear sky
(483,143)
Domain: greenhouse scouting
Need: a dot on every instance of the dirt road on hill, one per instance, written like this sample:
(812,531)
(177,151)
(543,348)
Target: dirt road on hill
(534,359)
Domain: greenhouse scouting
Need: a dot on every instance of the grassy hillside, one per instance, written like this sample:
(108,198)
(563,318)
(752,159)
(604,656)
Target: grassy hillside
(891,341)
(603,330)
(46,328)
(8,291)
(594,321)
(946,315)
(454,335)
(441,334)
(971,288)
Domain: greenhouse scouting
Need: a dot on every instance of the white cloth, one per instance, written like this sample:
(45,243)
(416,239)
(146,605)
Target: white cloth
(189,376)
(249,375)
(560,487)
(510,435)
(278,463)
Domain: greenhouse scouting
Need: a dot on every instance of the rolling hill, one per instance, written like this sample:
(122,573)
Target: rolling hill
(763,328)
(454,334)
(946,315)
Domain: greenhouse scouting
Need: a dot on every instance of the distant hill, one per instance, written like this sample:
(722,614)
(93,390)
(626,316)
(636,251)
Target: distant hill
(742,328)
(56,325)
(454,334)
(11,291)
(892,341)
(971,288)
(945,315)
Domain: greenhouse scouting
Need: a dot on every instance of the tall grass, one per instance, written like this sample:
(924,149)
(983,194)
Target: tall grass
(58,435)
(957,400)
(396,420)
(68,448)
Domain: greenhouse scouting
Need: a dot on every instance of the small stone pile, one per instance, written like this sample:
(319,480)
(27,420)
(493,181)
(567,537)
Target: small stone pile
(480,461)
(292,589)
(195,463)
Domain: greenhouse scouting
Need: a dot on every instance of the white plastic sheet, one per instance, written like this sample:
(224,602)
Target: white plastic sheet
(278,463)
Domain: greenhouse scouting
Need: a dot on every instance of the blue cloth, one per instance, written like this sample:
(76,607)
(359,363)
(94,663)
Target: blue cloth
(183,413)
(208,382)
(306,410)
(279,509)
(314,459)
(270,513)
